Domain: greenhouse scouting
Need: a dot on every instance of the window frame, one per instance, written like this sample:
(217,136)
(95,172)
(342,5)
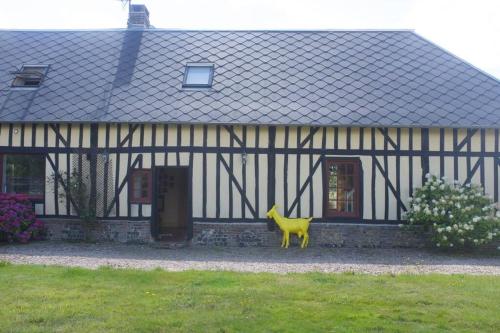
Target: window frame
(198,64)
(358,186)
(140,200)
(19,75)
(35,198)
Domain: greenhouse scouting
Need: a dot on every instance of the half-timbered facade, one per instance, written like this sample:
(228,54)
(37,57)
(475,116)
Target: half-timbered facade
(237,172)
(337,125)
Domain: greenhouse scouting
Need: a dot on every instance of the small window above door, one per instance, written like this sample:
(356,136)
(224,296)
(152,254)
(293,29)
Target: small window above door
(342,187)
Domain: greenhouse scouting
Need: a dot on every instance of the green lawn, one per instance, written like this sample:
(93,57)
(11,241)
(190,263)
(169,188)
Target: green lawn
(48,299)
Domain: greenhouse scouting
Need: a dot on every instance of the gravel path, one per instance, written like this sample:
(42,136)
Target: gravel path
(275,260)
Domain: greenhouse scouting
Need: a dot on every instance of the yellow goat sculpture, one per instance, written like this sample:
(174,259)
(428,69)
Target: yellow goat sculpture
(290,226)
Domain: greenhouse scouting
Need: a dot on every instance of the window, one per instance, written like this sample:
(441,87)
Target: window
(140,186)
(29,76)
(198,75)
(23,174)
(342,187)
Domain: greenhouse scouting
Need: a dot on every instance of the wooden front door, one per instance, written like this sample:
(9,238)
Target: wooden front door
(171,203)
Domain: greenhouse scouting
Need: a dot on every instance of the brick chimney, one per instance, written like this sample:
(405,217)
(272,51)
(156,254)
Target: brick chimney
(138,17)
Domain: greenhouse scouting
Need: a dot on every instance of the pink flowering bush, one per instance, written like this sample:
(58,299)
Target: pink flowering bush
(17,220)
(458,216)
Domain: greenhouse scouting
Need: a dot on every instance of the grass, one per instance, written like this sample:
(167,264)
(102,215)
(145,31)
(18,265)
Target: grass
(58,299)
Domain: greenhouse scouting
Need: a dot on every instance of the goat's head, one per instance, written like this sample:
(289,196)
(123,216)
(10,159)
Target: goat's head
(271,212)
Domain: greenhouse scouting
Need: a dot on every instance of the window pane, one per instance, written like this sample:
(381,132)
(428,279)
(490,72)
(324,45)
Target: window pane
(341,193)
(31,82)
(198,75)
(350,169)
(350,182)
(332,205)
(137,186)
(350,206)
(144,185)
(341,181)
(24,174)
(332,185)
(34,69)
(341,169)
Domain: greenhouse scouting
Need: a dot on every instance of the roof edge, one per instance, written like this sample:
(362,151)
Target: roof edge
(459,58)
(208,30)
(214,123)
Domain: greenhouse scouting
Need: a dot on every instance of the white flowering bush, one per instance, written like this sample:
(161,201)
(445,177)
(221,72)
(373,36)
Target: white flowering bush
(458,216)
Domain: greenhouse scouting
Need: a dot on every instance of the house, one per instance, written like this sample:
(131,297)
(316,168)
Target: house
(196,134)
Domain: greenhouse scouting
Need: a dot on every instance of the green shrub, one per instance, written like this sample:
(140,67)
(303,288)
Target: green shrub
(17,219)
(458,216)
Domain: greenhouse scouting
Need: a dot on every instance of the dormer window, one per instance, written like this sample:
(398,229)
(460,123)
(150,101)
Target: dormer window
(198,75)
(30,76)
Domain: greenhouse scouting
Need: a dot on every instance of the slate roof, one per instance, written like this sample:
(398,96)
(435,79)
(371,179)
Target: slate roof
(351,78)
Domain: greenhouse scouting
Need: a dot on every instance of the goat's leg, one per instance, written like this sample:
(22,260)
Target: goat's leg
(283,240)
(306,240)
(287,239)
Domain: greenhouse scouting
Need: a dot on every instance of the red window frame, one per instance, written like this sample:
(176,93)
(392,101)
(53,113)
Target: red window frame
(32,197)
(142,199)
(356,163)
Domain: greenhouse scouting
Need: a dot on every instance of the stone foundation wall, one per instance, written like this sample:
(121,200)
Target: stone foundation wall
(326,235)
(320,235)
(122,231)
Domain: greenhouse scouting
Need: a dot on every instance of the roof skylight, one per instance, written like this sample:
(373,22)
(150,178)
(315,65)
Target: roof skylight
(198,75)
(30,76)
